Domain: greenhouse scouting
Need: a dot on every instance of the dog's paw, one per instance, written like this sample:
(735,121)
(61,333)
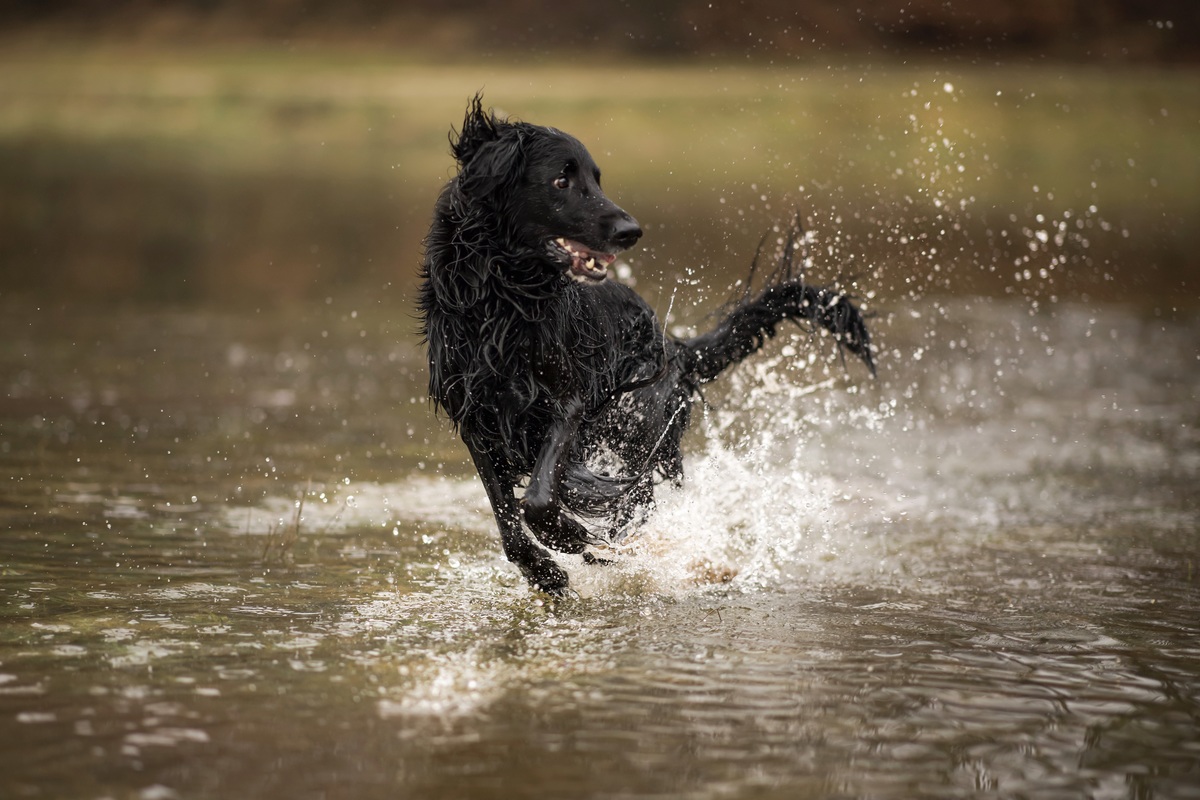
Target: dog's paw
(545,575)
(591,558)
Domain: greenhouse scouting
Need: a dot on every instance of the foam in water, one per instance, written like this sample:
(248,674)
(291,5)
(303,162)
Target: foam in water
(453,685)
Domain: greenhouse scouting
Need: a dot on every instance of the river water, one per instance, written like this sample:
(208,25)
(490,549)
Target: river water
(241,559)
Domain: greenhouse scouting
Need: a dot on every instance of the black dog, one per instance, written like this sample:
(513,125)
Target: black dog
(551,372)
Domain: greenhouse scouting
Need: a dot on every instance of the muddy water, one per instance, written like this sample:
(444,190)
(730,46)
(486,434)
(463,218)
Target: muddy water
(238,560)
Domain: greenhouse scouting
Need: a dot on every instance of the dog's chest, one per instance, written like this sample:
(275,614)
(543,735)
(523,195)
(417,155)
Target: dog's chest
(599,344)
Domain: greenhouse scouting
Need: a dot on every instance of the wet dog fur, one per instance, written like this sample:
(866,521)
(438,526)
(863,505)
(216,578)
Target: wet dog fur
(557,377)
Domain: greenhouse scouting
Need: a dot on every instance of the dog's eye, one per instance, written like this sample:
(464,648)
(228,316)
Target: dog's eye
(562,182)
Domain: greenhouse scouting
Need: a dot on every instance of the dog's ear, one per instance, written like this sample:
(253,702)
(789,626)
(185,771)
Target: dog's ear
(479,127)
(488,151)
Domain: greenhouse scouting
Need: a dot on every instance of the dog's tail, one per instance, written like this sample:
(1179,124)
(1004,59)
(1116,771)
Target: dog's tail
(753,319)
(746,328)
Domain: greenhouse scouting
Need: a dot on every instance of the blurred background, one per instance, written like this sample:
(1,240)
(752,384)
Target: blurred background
(216,152)
(240,556)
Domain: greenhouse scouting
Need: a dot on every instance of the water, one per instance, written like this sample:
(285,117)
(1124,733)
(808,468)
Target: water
(976,575)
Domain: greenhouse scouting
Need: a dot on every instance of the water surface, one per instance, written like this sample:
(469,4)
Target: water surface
(240,560)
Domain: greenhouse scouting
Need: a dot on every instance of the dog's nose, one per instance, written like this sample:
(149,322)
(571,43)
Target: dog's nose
(626,231)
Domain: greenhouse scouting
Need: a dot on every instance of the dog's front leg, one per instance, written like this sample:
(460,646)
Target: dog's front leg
(543,511)
(535,563)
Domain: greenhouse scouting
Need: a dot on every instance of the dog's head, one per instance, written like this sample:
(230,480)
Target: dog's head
(545,188)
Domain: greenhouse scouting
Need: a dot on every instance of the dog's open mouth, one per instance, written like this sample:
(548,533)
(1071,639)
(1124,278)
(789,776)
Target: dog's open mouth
(585,264)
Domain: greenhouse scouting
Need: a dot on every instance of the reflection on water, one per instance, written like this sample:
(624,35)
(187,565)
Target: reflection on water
(238,562)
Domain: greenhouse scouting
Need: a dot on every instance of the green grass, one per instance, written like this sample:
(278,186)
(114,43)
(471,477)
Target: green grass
(689,147)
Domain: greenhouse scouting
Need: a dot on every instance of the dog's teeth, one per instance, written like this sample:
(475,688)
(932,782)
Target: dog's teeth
(590,263)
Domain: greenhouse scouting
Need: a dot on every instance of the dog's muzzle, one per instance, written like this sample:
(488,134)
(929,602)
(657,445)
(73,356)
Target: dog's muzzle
(584,264)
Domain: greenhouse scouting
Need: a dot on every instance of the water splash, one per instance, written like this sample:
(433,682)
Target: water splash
(441,502)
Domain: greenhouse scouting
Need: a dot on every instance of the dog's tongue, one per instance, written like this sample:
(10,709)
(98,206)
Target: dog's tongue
(586,264)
